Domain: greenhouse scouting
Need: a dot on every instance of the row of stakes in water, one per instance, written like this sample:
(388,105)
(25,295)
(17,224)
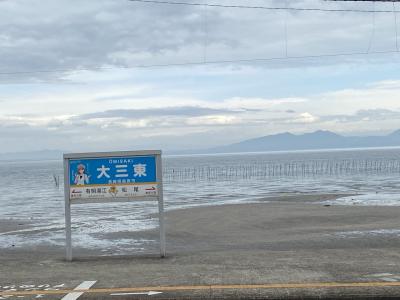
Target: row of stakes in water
(284,169)
(276,169)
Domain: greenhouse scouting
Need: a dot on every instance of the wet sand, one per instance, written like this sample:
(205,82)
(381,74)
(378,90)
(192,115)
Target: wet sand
(286,239)
(13,225)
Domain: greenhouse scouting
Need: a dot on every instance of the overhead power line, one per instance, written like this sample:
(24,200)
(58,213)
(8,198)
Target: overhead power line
(371,38)
(395,26)
(364,0)
(199,63)
(263,7)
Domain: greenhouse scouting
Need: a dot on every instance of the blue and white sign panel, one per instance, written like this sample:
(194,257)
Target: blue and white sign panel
(113,177)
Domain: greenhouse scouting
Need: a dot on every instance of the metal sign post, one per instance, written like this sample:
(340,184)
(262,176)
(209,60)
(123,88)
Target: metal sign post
(112,176)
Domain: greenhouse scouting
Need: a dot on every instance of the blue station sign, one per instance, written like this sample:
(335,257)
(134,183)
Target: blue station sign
(111,177)
(113,170)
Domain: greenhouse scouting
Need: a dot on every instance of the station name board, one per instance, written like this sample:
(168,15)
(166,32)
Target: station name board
(113,177)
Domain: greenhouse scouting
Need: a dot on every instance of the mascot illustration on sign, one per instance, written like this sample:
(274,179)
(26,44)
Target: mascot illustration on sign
(81,178)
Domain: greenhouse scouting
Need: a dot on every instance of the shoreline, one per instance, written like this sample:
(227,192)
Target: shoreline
(300,197)
(142,239)
(27,227)
(9,225)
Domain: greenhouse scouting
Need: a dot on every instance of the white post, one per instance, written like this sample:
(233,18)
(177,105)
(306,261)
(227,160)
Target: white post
(161,207)
(68,239)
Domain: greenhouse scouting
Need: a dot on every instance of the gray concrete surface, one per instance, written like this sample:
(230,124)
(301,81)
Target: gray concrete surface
(285,240)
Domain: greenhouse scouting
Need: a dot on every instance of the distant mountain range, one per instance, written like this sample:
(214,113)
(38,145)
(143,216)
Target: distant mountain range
(278,142)
(309,141)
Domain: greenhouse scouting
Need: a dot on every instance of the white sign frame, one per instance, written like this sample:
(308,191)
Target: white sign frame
(93,155)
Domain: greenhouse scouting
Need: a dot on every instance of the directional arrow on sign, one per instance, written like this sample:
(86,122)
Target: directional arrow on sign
(150,293)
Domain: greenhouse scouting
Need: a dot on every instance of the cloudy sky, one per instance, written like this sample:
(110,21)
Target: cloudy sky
(115,74)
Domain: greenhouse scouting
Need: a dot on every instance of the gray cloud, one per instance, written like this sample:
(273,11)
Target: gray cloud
(58,35)
(183,111)
(365,115)
(170,132)
(117,97)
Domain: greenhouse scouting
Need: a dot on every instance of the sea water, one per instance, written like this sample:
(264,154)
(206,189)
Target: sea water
(29,193)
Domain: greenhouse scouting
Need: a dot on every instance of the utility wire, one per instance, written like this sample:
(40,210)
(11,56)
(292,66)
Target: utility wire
(286,28)
(372,31)
(261,7)
(199,63)
(205,32)
(395,26)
